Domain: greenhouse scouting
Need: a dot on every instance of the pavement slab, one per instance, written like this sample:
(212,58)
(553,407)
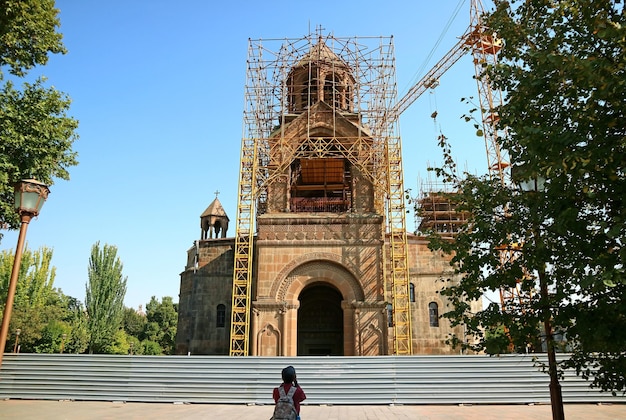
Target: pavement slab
(74,410)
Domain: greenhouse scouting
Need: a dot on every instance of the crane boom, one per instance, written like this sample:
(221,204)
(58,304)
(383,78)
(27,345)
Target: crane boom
(484,48)
(431,79)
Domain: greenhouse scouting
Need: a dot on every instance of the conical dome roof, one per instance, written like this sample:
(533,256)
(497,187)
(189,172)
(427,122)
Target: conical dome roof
(321,53)
(215,209)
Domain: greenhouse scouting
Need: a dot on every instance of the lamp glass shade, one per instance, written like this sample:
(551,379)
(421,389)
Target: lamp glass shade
(527,185)
(540,184)
(533,185)
(30,196)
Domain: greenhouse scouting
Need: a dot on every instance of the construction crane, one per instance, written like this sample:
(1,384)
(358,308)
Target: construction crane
(484,47)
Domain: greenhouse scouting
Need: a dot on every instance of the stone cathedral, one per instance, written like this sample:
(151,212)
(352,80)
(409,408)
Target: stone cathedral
(318,276)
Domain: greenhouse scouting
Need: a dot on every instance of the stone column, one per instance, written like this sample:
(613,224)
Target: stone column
(290,329)
(357,327)
(282,312)
(350,329)
(254,322)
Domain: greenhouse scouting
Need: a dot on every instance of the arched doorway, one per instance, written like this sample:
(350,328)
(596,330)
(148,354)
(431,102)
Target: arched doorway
(320,321)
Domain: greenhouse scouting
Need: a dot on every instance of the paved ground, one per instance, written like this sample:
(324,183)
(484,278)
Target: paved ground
(56,410)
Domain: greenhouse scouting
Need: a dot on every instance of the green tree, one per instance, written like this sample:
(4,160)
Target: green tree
(37,135)
(41,312)
(134,323)
(135,346)
(151,348)
(562,67)
(36,301)
(42,327)
(119,344)
(162,322)
(35,279)
(53,336)
(78,340)
(104,300)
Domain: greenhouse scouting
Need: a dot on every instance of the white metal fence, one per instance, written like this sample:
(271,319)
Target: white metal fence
(510,379)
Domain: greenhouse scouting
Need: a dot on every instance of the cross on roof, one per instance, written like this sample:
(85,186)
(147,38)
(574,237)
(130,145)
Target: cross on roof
(319,30)
(216,193)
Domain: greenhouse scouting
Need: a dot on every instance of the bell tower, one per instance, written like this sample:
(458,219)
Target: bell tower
(315,192)
(214,221)
(313,171)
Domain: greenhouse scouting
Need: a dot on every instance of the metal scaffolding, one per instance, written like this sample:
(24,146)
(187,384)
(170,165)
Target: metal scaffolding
(375,151)
(485,47)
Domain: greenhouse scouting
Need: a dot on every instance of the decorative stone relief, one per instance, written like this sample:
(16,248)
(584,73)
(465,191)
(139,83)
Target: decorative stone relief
(317,261)
(268,341)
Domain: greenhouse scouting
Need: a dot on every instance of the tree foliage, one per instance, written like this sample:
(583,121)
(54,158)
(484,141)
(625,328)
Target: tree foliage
(36,135)
(152,333)
(50,321)
(162,320)
(28,34)
(35,279)
(562,68)
(104,301)
(78,338)
(41,312)
(134,322)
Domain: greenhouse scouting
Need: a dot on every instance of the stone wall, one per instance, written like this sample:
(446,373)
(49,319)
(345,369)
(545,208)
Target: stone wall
(202,289)
(295,251)
(430,272)
(290,253)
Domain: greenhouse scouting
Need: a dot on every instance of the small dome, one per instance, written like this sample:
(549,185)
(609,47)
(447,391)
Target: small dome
(320,76)
(214,221)
(215,209)
(320,53)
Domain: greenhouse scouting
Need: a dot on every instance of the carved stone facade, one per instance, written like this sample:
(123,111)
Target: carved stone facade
(340,253)
(343,276)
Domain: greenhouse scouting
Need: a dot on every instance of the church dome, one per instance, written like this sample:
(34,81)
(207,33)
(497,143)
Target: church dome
(320,76)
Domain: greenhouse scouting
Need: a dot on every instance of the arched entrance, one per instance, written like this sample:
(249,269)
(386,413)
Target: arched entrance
(320,321)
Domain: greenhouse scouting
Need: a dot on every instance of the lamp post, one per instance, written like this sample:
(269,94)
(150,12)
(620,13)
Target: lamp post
(29,198)
(556,396)
(17,340)
(536,185)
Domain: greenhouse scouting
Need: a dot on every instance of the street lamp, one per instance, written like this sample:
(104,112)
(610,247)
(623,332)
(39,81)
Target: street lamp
(536,184)
(17,340)
(29,198)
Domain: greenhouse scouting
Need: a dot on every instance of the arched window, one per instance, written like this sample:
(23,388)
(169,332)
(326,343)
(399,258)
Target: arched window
(334,91)
(389,315)
(221,316)
(329,90)
(433,313)
(411,292)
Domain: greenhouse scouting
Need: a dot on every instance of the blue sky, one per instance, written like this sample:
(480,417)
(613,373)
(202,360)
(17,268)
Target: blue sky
(158,89)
